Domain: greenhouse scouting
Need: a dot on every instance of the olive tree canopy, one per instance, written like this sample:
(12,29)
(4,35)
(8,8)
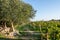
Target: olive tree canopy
(15,12)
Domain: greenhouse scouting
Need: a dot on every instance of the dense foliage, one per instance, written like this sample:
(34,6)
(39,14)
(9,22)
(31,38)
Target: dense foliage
(48,30)
(15,12)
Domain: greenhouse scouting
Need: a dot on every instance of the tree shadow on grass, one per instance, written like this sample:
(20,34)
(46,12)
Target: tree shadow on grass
(9,39)
(15,39)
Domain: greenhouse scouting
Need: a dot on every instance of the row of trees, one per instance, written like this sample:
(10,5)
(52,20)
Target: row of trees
(14,12)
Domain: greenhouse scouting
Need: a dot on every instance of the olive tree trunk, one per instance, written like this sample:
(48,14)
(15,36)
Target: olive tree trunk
(5,25)
(12,25)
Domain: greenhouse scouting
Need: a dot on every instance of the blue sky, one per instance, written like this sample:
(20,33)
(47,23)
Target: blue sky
(46,9)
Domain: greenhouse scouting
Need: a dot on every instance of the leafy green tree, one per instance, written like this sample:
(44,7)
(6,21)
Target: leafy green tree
(15,12)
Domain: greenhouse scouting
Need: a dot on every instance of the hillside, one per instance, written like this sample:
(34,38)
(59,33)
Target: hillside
(48,30)
(39,30)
